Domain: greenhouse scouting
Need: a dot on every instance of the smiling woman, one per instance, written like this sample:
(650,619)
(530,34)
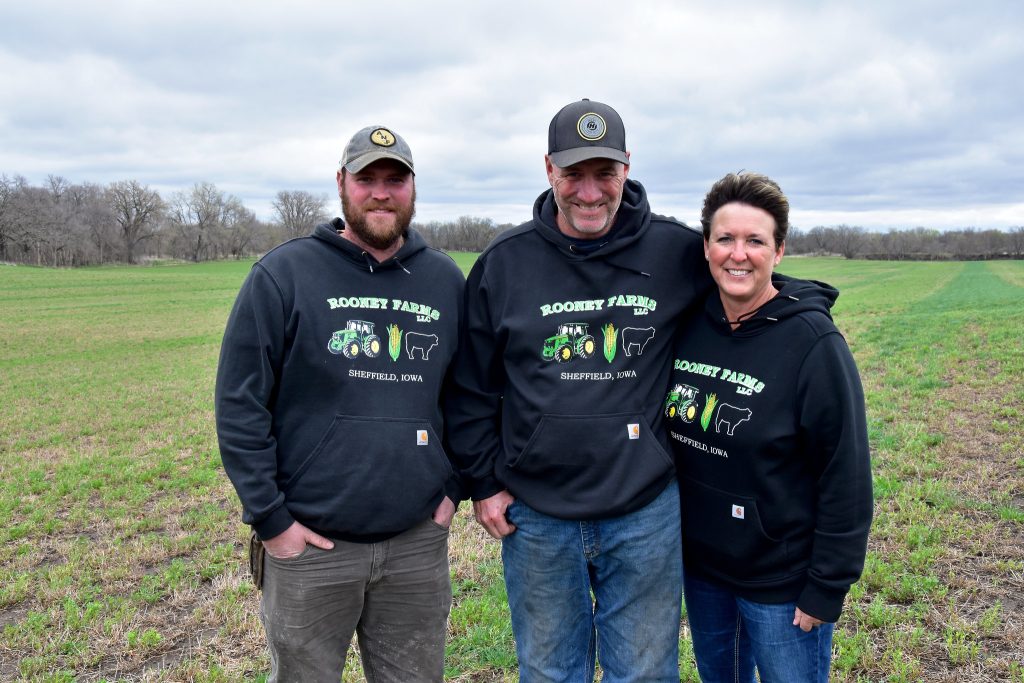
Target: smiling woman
(745,221)
(775,525)
(742,254)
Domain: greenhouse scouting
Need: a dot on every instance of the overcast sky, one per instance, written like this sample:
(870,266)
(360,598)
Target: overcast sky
(879,114)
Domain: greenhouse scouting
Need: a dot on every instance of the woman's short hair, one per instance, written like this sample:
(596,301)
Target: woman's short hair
(753,189)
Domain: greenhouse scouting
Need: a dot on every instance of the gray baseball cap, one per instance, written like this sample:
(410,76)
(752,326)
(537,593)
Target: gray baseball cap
(586,130)
(374,143)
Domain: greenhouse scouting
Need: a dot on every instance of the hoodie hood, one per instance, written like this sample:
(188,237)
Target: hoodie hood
(413,245)
(794,297)
(631,222)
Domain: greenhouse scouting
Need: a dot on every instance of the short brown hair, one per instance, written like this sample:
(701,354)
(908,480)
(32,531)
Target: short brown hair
(753,189)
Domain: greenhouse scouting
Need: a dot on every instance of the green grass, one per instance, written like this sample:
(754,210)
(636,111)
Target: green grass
(465,259)
(122,552)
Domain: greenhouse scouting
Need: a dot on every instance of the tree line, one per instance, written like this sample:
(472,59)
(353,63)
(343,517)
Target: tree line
(917,244)
(64,224)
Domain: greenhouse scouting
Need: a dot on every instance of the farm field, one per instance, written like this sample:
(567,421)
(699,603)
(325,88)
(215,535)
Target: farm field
(122,553)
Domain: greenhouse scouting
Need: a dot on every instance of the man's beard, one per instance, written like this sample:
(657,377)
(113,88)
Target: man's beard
(379,237)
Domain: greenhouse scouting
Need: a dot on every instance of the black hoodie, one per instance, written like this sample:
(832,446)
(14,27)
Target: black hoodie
(328,386)
(768,426)
(564,360)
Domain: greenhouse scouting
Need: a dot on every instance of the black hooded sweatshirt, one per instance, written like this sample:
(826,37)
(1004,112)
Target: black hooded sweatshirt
(329,384)
(768,426)
(564,359)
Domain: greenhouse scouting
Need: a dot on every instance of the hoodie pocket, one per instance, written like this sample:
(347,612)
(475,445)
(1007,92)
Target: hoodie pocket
(369,476)
(579,466)
(723,533)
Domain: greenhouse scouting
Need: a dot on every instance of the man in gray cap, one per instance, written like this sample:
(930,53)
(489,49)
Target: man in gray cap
(330,429)
(557,419)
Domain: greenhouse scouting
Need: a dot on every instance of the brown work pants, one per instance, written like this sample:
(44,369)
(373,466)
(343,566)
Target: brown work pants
(395,595)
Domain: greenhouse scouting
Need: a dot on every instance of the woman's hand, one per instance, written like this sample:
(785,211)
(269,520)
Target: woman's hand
(805,621)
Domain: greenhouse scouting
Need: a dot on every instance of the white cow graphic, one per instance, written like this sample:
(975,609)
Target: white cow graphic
(636,336)
(731,417)
(424,343)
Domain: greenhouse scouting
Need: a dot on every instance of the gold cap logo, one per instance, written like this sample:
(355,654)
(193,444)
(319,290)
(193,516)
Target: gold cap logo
(382,137)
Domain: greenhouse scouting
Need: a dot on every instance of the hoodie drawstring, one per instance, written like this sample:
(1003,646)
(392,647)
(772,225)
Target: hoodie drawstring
(369,261)
(627,268)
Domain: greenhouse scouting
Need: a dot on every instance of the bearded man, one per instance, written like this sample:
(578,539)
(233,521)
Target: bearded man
(330,429)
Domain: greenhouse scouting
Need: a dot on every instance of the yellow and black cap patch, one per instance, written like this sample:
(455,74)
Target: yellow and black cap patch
(374,143)
(382,137)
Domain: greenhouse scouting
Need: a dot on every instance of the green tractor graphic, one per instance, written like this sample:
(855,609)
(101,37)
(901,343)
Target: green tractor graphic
(681,401)
(357,337)
(571,341)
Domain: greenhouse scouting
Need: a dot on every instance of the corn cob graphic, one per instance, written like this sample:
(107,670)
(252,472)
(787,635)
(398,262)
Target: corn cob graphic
(394,341)
(610,345)
(709,408)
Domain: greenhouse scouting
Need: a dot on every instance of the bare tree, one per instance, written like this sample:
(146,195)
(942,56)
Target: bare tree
(44,222)
(819,239)
(196,215)
(993,244)
(137,210)
(57,186)
(1016,241)
(91,223)
(797,241)
(210,224)
(101,228)
(895,244)
(847,240)
(298,211)
(466,233)
(924,242)
(11,191)
(239,228)
(43,225)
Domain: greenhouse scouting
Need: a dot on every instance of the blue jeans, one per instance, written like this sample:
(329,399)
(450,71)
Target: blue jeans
(633,565)
(732,635)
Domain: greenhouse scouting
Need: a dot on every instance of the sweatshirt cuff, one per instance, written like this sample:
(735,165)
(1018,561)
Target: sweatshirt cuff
(821,603)
(455,489)
(277,522)
(485,488)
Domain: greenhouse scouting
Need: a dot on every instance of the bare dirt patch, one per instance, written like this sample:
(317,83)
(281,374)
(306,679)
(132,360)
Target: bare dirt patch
(985,568)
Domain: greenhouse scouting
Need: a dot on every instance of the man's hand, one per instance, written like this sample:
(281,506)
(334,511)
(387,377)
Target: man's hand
(444,513)
(490,512)
(805,621)
(293,540)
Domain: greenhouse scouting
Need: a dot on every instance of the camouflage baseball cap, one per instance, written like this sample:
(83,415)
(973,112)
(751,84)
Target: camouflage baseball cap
(374,143)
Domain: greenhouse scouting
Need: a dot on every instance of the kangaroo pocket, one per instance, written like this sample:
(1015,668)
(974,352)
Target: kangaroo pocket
(589,466)
(369,476)
(723,533)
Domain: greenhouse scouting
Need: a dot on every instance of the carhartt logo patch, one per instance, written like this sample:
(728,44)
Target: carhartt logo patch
(738,512)
(421,437)
(633,430)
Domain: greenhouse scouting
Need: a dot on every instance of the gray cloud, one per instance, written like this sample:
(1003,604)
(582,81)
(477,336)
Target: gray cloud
(879,114)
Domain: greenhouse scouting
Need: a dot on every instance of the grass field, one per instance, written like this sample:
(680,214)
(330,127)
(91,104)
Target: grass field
(121,547)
